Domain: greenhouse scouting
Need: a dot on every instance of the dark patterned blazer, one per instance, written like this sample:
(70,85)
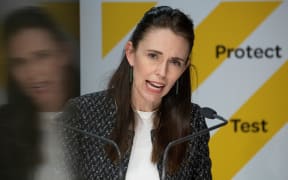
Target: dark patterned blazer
(95,113)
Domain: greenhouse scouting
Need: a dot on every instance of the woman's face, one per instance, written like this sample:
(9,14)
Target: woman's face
(37,64)
(158,62)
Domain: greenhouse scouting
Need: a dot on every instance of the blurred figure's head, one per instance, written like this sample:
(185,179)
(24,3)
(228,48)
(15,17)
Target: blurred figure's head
(40,59)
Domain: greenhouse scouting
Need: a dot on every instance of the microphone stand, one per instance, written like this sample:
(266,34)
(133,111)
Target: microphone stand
(105,140)
(204,111)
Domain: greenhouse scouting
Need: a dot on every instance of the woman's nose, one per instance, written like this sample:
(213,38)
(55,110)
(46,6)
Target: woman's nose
(161,69)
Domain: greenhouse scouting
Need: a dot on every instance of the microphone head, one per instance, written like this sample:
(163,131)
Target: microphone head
(208,113)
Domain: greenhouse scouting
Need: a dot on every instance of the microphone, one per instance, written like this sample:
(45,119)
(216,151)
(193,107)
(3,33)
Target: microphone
(105,140)
(212,114)
(207,113)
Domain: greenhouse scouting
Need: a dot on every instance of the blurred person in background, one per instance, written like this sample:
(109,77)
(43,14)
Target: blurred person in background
(42,66)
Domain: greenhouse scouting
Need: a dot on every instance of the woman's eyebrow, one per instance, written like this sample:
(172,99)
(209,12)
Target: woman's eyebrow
(155,51)
(159,52)
(177,58)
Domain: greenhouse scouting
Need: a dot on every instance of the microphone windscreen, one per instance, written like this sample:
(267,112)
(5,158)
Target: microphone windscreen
(208,113)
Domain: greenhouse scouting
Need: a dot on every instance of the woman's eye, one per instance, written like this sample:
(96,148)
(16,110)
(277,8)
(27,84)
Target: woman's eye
(176,62)
(16,62)
(152,55)
(43,55)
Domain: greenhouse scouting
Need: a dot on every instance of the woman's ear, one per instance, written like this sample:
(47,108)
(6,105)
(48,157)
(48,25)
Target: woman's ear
(188,63)
(130,53)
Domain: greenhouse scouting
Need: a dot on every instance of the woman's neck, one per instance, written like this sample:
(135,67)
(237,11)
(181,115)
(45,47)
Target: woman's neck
(144,107)
(139,103)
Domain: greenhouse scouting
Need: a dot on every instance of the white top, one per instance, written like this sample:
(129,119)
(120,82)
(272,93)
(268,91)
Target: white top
(53,165)
(140,165)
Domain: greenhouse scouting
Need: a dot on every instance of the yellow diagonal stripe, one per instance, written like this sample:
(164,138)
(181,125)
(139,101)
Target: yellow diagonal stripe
(231,150)
(230,23)
(67,15)
(118,18)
